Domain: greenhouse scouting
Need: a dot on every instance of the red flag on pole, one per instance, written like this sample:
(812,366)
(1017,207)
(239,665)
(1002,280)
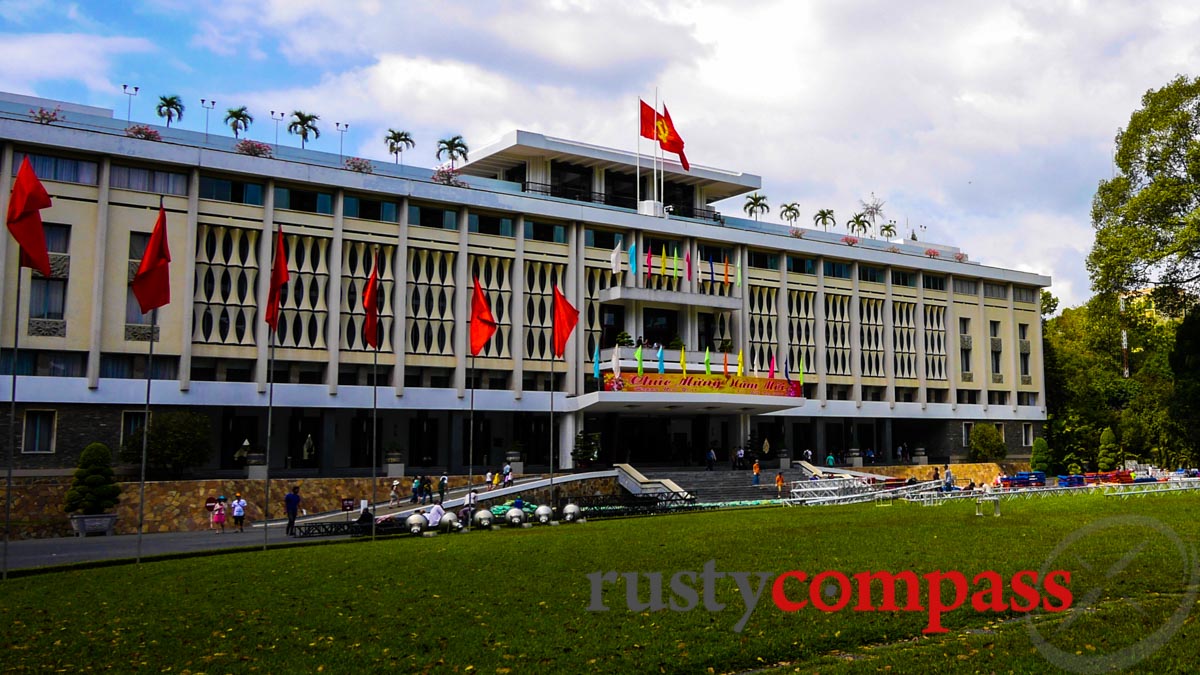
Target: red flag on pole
(152,283)
(648,119)
(565,318)
(483,324)
(28,198)
(371,304)
(279,277)
(669,140)
(688,261)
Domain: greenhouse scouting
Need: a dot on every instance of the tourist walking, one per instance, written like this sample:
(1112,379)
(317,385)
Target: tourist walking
(218,514)
(757,471)
(487,480)
(711,458)
(779,484)
(239,512)
(291,504)
(394,495)
(443,483)
(416,490)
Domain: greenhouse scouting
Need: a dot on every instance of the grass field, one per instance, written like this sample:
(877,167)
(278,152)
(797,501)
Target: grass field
(517,600)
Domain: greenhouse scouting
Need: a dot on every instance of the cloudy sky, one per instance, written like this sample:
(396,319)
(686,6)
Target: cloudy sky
(984,125)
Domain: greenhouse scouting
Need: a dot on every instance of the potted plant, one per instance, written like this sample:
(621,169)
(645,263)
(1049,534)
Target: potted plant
(94,492)
(675,343)
(624,339)
(726,346)
(252,148)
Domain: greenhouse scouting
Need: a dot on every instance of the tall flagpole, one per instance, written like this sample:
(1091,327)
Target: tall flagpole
(471,444)
(12,423)
(553,359)
(270,410)
(657,144)
(145,436)
(374,422)
(638,144)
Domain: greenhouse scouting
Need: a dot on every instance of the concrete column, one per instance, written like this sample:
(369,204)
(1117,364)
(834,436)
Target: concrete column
(743,333)
(1037,367)
(640,278)
(982,331)
(783,319)
(99,255)
(189,281)
(1014,350)
(400,294)
(889,339)
(517,311)
(266,247)
(572,288)
(333,294)
(569,424)
(819,323)
(855,338)
(462,305)
(922,384)
(953,362)
(688,246)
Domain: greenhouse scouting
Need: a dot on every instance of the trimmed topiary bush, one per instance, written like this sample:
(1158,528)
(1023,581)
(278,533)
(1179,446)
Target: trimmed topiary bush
(94,489)
(1039,459)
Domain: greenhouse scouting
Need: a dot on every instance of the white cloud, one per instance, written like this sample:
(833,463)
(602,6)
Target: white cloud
(30,60)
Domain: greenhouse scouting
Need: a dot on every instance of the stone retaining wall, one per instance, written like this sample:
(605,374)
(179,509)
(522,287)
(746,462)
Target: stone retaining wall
(981,473)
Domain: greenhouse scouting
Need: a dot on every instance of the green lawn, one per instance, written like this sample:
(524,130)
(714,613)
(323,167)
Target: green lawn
(517,600)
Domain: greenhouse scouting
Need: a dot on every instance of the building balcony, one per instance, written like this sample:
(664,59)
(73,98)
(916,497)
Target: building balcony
(626,295)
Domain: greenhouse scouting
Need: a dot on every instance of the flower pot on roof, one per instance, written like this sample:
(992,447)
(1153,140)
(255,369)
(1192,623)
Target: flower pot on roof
(359,164)
(960,257)
(933,253)
(43,116)
(850,240)
(143,132)
(252,148)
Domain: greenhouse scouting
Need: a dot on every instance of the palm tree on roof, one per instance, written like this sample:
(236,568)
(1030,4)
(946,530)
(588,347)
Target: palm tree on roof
(858,223)
(888,229)
(238,119)
(756,205)
(170,108)
(790,212)
(397,141)
(824,218)
(872,209)
(454,148)
(302,125)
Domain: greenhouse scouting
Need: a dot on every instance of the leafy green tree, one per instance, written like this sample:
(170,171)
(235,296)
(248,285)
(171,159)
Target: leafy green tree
(93,489)
(169,108)
(824,218)
(872,209)
(238,119)
(304,125)
(756,205)
(1147,217)
(790,212)
(177,441)
(1039,459)
(397,141)
(1049,304)
(454,148)
(985,444)
(1185,368)
(1107,458)
(858,224)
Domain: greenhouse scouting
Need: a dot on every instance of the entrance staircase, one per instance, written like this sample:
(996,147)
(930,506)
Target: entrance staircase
(724,485)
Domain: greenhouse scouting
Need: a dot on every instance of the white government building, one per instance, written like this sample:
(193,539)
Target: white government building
(897,345)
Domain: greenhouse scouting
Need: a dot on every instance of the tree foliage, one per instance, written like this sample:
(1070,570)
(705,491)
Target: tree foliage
(94,489)
(985,444)
(177,441)
(1147,217)
(1039,459)
(1108,457)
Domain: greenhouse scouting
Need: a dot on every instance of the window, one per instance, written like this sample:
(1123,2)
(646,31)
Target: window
(1025,294)
(131,424)
(58,237)
(968,396)
(545,232)
(999,428)
(964,326)
(484,223)
(965,359)
(1026,434)
(1023,331)
(762,260)
(966,287)
(799,265)
(47,298)
(933,282)
(311,201)
(138,241)
(1024,365)
(1027,398)
(602,239)
(39,432)
(236,191)
(901,278)
(370,209)
(995,361)
(431,216)
(871,274)
(997,291)
(59,169)
(997,398)
(148,180)
(994,329)
(837,270)
(44,363)
(966,439)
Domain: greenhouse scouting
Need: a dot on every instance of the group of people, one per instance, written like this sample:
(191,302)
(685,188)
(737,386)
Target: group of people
(503,477)
(237,509)
(422,489)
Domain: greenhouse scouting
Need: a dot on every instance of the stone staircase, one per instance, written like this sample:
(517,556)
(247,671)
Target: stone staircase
(724,485)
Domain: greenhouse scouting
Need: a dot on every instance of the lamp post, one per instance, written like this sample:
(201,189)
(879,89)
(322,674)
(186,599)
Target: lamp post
(207,105)
(130,92)
(342,128)
(277,121)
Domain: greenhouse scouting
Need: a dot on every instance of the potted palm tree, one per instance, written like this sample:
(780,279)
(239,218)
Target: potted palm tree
(397,141)
(454,148)
(756,205)
(169,108)
(304,125)
(94,492)
(238,119)
(824,218)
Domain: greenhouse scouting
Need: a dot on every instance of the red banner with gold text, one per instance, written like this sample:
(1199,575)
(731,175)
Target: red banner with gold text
(701,384)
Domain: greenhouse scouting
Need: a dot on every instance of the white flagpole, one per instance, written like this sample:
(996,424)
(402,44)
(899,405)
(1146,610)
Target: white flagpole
(145,437)
(375,396)
(657,145)
(270,410)
(637,200)
(12,423)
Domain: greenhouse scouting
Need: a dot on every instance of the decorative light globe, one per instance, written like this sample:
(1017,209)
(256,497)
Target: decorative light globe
(543,514)
(416,523)
(514,516)
(483,518)
(571,513)
(450,522)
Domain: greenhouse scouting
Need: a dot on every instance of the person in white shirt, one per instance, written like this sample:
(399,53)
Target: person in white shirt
(487,480)
(239,512)
(435,514)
